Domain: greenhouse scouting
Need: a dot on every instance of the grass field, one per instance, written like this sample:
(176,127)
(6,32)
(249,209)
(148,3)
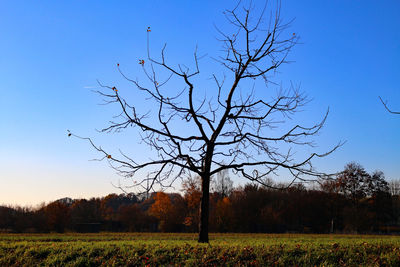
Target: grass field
(144,249)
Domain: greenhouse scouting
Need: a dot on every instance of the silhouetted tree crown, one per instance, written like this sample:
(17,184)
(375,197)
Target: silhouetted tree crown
(234,127)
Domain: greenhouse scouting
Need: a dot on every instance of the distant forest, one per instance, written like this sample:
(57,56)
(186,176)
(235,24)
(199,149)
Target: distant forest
(354,202)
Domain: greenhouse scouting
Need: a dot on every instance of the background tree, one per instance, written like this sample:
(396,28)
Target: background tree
(353,184)
(244,125)
(85,211)
(394,187)
(7,217)
(192,195)
(222,184)
(167,211)
(370,201)
(353,181)
(224,215)
(335,203)
(131,217)
(380,201)
(57,214)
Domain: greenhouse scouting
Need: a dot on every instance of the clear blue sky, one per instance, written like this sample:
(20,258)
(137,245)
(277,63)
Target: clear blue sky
(51,51)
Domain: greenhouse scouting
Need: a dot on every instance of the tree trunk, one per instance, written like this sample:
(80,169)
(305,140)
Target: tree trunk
(204,209)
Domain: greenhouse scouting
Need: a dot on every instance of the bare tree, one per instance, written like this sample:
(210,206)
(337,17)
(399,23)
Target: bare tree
(222,184)
(387,108)
(394,187)
(234,127)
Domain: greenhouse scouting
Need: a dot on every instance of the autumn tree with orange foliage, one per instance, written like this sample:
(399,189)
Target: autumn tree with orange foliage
(169,213)
(192,195)
(224,215)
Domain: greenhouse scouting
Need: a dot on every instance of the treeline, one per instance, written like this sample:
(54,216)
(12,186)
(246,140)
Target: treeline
(353,202)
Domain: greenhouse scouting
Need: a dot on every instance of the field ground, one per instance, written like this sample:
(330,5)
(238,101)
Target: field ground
(156,249)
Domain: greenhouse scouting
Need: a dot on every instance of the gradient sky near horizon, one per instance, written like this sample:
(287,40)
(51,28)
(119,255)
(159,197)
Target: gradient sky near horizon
(52,53)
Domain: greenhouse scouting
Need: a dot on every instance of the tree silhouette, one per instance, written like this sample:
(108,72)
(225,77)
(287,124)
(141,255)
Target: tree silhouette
(235,127)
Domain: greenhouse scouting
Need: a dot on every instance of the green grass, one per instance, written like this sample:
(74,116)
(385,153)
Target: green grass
(141,249)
